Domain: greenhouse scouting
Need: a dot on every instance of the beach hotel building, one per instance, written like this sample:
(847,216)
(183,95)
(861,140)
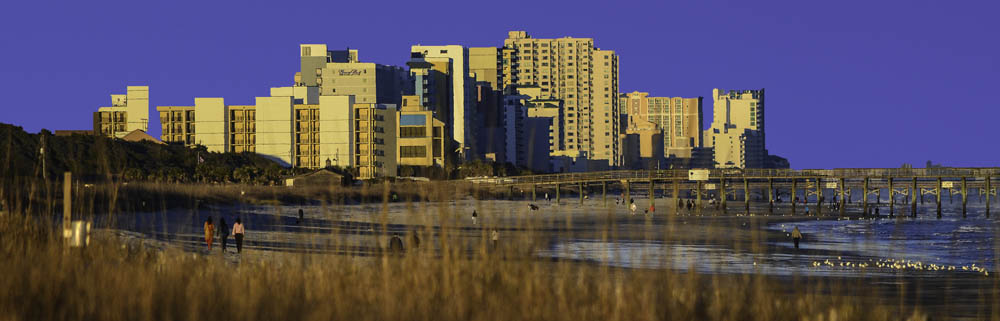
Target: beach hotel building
(127,113)
(678,119)
(737,131)
(293,130)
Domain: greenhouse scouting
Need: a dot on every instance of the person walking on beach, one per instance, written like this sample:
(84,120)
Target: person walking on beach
(796,236)
(633,208)
(223,233)
(301,217)
(546,197)
(209,232)
(238,231)
(495,238)
(475,216)
(396,244)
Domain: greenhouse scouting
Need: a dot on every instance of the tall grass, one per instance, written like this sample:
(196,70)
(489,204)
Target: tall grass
(454,277)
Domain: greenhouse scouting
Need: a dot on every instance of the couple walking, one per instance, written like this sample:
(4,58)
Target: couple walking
(237,231)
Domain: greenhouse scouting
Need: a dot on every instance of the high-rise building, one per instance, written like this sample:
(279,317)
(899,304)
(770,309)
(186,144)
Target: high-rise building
(462,83)
(738,128)
(484,63)
(583,76)
(680,120)
(127,113)
(533,128)
(340,73)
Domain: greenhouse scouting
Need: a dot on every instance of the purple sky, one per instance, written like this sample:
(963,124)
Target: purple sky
(849,83)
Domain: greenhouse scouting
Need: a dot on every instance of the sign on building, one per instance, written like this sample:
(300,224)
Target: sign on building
(698,174)
(831,185)
(947,184)
(709,186)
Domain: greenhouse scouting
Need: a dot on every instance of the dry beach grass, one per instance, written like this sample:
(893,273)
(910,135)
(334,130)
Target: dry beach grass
(117,280)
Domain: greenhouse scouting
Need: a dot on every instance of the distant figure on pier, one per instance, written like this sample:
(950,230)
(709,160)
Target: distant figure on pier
(633,208)
(796,236)
(223,233)
(396,244)
(546,197)
(209,232)
(796,199)
(807,210)
(238,231)
(652,208)
(495,238)
(475,217)
(301,217)
(690,205)
(533,207)
(876,211)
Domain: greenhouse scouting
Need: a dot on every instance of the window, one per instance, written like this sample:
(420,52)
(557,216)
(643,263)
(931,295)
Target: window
(412,151)
(405,132)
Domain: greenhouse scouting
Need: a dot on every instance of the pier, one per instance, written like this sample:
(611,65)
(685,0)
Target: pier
(813,188)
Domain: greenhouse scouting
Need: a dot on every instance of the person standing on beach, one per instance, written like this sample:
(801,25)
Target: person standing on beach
(238,231)
(209,232)
(474,217)
(796,236)
(395,244)
(301,217)
(495,238)
(223,233)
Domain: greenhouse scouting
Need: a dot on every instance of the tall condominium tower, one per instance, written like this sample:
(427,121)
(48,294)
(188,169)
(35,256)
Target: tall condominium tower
(738,128)
(680,120)
(462,90)
(584,77)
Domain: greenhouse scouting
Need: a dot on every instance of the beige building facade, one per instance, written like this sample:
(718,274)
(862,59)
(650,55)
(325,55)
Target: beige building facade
(335,130)
(336,73)
(462,85)
(680,120)
(420,136)
(127,113)
(583,76)
(737,132)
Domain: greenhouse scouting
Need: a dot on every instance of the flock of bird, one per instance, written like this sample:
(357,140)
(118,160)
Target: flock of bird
(894,264)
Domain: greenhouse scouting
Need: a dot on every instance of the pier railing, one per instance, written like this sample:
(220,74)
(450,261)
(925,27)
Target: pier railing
(645,175)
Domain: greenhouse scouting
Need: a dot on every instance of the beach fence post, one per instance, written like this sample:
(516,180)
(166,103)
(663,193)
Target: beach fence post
(67,201)
(937,190)
(913,197)
(794,200)
(534,189)
(770,195)
(581,192)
